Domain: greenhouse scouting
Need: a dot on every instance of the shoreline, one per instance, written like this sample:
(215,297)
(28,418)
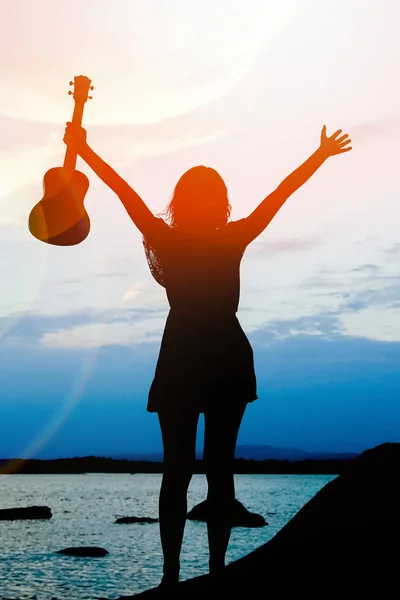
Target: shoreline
(94,464)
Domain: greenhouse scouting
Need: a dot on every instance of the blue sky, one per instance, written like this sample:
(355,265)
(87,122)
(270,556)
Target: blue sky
(245,88)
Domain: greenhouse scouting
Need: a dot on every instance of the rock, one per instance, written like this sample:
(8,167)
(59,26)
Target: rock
(84,551)
(136,520)
(240,516)
(343,543)
(29,512)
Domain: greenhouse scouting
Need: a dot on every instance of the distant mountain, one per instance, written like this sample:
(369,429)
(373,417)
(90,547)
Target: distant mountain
(152,456)
(272,452)
(254,452)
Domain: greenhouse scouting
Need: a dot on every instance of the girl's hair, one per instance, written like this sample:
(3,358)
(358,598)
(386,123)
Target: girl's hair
(199,187)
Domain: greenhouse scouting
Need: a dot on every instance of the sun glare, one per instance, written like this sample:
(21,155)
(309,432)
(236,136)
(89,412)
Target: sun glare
(147,64)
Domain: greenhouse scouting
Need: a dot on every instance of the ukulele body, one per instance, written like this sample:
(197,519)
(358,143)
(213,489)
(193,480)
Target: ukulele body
(60,217)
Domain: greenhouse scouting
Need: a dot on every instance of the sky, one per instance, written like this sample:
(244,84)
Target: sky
(244,87)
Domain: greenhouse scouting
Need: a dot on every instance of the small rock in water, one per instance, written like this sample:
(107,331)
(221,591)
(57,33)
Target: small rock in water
(136,520)
(84,551)
(29,512)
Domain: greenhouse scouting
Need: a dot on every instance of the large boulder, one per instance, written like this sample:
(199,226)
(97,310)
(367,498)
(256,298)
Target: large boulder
(343,543)
(239,515)
(28,512)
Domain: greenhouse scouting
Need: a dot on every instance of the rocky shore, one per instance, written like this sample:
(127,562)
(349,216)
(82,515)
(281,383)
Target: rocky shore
(343,543)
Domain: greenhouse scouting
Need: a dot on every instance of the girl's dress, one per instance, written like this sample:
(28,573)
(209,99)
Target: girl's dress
(205,356)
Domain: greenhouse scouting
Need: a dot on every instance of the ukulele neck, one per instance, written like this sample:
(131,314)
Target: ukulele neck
(70,154)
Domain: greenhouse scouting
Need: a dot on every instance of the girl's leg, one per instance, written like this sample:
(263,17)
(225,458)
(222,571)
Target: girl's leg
(221,427)
(178,431)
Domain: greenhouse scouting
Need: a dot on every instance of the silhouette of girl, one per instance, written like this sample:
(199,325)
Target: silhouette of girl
(205,364)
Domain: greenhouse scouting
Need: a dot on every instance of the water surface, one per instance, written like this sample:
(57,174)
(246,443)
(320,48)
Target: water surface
(84,509)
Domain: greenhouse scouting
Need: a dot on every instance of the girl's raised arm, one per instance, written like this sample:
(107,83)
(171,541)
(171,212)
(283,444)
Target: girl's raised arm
(134,205)
(258,220)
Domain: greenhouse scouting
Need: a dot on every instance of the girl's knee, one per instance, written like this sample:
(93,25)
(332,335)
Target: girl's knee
(176,476)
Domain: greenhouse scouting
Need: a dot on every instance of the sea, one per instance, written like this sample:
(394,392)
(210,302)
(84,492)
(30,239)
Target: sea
(84,509)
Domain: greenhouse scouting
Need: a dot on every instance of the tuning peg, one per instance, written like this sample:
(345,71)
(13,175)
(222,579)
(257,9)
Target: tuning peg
(91,87)
(90,97)
(71,83)
(69,93)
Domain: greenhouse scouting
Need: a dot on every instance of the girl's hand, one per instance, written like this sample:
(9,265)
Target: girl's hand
(75,137)
(334,144)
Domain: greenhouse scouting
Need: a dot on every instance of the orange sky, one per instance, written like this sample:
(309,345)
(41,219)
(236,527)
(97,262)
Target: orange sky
(244,87)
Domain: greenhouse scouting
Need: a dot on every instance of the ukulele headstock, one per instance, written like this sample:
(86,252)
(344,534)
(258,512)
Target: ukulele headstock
(82,86)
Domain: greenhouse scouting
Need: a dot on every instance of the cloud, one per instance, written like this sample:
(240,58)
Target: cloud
(83,328)
(134,291)
(325,325)
(132,327)
(322,392)
(96,335)
(393,249)
(368,289)
(385,296)
(366,299)
(366,268)
(269,247)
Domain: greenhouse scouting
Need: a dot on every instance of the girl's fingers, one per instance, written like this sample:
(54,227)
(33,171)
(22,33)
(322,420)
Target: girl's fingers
(336,133)
(342,137)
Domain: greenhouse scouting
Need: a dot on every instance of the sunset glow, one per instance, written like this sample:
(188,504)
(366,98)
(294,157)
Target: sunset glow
(244,87)
(151,61)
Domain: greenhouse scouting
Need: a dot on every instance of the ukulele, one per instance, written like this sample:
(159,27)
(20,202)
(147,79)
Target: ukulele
(60,217)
